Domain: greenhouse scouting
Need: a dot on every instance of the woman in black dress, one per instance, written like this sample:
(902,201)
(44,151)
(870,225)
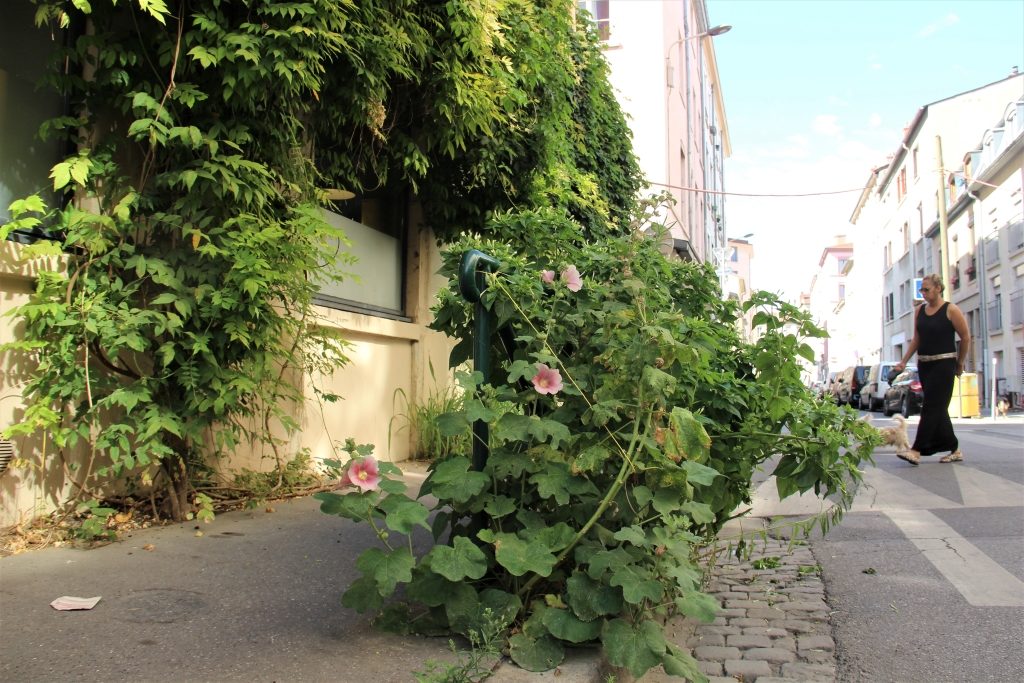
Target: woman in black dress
(939,362)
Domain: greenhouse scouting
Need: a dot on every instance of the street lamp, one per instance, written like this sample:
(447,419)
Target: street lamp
(710,33)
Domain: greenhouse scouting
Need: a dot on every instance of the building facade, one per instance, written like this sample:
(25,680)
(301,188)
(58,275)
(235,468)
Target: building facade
(901,214)
(662,62)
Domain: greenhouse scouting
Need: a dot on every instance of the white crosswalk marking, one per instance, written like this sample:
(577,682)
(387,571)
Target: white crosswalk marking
(884,491)
(981,581)
(980,489)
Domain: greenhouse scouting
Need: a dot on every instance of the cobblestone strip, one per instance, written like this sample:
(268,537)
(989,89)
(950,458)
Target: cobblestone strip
(774,624)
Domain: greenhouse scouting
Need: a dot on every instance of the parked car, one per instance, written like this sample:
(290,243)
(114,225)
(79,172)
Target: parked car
(904,394)
(851,381)
(875,386)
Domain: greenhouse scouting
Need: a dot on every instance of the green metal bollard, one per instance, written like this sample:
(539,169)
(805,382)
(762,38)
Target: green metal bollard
(471,284)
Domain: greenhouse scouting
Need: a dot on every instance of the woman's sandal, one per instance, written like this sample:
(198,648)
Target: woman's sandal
(955,456)
(911,456)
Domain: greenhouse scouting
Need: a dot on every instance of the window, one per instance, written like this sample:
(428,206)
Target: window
(920,221)
(906,237)
(842,292)
(914,161)
(995,313)
(598,10)
(375,226)
(842,261)
(734,254)
(25,159)
(901,184)
(1017,308)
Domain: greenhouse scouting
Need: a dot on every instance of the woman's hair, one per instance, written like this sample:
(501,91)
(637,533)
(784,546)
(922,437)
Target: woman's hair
(935,280)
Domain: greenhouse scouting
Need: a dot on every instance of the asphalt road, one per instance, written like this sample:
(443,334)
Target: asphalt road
(926,573)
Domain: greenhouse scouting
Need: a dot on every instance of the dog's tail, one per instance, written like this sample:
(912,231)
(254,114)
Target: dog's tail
(899,418)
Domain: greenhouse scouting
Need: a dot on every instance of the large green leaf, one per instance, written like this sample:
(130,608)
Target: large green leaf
(679,662)
(453,480)
(388,569)
(565,625)
(637,584)
(591,599)
(697,473)
(700,606)
(636,649)
(402,514)
(520,556)
(362,595)
(535,654)
(460,561)
(686,438)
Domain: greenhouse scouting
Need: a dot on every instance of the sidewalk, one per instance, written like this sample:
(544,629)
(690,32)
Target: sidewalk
(256,596)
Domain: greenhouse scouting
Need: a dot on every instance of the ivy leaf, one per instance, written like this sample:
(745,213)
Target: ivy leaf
(535,654)
(565,625)
(591,599)
(636,648)
(463,560)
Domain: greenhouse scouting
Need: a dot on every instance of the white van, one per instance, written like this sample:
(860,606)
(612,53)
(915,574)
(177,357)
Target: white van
(876,385)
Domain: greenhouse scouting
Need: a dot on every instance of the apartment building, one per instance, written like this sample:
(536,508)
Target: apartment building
(662,60)
(901,212)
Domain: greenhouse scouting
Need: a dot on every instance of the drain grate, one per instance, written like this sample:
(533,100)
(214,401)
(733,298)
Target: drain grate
(6,454)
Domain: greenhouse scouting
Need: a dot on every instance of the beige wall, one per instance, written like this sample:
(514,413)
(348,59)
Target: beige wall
(387,356)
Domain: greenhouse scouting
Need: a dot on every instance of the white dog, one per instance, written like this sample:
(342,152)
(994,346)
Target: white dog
(895,435)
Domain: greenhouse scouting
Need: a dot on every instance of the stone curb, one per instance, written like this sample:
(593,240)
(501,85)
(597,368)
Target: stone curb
(774,625)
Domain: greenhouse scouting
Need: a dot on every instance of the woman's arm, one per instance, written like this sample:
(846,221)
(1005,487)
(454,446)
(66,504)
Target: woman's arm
(956,316)
(912,347)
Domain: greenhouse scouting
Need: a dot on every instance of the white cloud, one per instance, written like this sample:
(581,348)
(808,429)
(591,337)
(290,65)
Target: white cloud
(875,120)
(950,19)
(827,124)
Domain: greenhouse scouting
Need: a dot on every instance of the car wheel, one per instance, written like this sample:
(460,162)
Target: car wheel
(885,408)
(906,406)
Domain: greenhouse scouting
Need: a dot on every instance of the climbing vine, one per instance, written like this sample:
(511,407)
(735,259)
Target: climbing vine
(203,132)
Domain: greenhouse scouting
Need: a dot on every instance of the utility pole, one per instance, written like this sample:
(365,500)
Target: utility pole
(943,220)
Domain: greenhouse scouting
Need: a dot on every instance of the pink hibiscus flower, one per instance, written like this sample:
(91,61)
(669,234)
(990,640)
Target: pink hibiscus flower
(547,380)
(571,278)
(364,474)
(548,276)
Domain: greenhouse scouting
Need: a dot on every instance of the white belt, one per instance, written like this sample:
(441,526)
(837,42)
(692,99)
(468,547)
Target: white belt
(937,356)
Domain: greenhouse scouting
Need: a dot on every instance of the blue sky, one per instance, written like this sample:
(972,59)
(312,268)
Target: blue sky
(817,92)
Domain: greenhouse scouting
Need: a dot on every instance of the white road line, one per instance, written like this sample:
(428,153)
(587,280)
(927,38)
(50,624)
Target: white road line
(884,491)
(980,489)
(981,581)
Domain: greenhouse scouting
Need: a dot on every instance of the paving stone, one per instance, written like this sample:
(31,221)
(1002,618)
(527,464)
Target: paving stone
(746,641)
(818,657)
(750,670)
(770,654)
(747,622)
(720,621)
(716,653)
(805,606)
(766,613)
(711,668)
(732,612)
(798,625)
(706,639)
(745,604)
(816,643)
(808,671)
(721,630)
(764,631)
